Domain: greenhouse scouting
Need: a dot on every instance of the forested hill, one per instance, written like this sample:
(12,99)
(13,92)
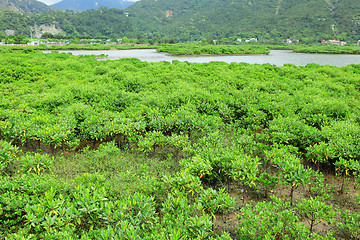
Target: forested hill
(268,20)
(265,19)
(23,6)
(83,5)
(107,22)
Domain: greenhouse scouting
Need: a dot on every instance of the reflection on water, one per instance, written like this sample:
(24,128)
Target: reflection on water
(276,57)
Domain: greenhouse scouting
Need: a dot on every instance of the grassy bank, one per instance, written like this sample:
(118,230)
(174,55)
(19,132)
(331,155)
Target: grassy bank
(199,49)
(330,49)
(77,47)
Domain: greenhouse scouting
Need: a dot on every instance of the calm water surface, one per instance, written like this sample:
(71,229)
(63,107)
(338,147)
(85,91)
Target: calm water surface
(276,57)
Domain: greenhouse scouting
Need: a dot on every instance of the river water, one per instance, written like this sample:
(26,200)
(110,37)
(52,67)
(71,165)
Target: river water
(276,57)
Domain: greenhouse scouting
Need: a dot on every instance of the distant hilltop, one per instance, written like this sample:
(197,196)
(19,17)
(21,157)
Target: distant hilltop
(24,6)
(83,5)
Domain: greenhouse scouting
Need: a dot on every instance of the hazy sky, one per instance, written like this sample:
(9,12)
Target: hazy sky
(49,2)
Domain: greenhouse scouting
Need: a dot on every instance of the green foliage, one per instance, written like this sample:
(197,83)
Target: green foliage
(215,202)
(72,47)
(197,166)
(343,137)
(73,23)
(332,49)
(203,20)
(269,21)
(137,150)
(19,191)
(315,210)
(8,154)
(87,207)
(317,186)
(181,219)
(350,223)
(36,163)
(291,171)
(294,131)
(343,167)
(185,182)
(266,182)
(320,153)
(245,169)
(198,49)
(270,220)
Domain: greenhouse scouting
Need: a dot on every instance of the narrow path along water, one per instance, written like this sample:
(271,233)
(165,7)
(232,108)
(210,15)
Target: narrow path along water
(276,57)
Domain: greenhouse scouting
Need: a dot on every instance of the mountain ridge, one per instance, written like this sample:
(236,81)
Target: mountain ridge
(24,6)
(83,5)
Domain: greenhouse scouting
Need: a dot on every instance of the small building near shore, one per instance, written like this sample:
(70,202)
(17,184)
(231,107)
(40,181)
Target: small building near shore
(335,42)
(251,40)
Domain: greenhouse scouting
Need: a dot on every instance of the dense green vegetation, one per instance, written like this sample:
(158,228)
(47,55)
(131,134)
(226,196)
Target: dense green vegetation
(193,48)
(203,48)
(268,20)
(76,47)
(178,49)
(102,22)
(133,150)
(334,49)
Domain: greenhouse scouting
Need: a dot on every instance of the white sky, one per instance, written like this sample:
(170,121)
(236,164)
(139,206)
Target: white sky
(49,2)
